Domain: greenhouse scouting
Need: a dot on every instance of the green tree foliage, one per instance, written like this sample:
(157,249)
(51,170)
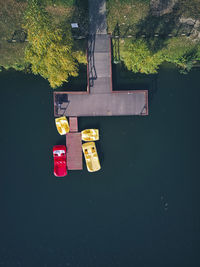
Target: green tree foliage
(50,50)
(182,52)
(138,57)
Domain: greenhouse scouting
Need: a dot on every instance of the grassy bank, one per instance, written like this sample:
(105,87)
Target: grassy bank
(124,15)
(62,13)
(146,40)
(11,19)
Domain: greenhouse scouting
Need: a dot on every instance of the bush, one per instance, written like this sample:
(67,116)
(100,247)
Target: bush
(182,52)
(137,57)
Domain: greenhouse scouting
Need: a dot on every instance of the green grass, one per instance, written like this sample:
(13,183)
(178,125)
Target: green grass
(130,17)
(65,3)
(11,19)
(189,8)
(63,12)
(134,18)
(125,14)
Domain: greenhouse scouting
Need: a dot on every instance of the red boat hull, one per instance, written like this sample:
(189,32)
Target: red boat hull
(60,161)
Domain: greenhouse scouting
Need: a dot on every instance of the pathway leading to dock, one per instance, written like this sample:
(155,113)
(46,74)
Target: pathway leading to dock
(100,100)
(98,49)
(97,17)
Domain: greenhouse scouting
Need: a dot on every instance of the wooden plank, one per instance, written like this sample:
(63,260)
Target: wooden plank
(74,151)
(73,124)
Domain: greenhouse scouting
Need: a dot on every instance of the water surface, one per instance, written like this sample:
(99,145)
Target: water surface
(141,209)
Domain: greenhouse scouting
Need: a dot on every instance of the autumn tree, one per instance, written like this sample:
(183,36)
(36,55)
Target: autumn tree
(139,58)
(50,49)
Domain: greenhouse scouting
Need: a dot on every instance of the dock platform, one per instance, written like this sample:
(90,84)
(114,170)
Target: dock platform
(74,151)
(115,104)
(100,99)
(73,124)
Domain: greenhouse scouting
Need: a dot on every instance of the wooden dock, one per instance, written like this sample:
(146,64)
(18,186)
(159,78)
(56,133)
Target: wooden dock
(100,99)
(73,124)
(74,151)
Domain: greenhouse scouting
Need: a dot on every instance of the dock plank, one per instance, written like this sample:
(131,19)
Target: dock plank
(107,104)
(74,151)
(73,124)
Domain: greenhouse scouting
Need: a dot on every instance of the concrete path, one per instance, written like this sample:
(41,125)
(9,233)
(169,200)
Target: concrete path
(97,17)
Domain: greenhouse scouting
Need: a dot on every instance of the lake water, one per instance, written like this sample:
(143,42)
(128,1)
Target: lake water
(141,209)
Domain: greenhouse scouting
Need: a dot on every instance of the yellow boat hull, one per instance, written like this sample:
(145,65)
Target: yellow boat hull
(91,157)
(90,135)
(62,125)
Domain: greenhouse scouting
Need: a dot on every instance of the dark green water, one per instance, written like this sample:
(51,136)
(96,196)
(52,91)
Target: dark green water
(141,209)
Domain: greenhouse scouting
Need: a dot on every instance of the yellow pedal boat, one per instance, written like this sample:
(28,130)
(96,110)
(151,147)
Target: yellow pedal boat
(62,125)
(91,157)
(90,135)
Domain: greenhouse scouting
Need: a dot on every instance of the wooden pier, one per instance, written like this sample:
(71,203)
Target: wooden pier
(73,124)
(74,151)
(74,146)
(100,99)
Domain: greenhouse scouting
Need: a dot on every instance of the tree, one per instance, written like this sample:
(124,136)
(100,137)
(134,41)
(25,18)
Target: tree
(138,57)
(182,52)
(50,49)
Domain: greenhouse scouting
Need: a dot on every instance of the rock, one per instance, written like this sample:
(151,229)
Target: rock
(188,21)
(161,7)
(190,27)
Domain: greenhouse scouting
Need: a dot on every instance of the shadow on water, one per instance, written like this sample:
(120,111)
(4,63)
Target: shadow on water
(123,80)
(76,83)
(100,153)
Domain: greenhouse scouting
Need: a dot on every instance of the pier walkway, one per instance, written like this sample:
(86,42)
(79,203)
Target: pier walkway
(100,99)
(74,146)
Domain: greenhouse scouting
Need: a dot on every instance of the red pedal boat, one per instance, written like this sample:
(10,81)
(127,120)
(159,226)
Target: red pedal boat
(60,162)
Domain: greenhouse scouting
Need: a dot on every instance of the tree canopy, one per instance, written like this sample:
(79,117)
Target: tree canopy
(50,49)
(138,57)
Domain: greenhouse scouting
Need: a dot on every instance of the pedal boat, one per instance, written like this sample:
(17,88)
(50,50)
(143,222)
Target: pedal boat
(60,162)
(90,135)
(91,157)
(62,125)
